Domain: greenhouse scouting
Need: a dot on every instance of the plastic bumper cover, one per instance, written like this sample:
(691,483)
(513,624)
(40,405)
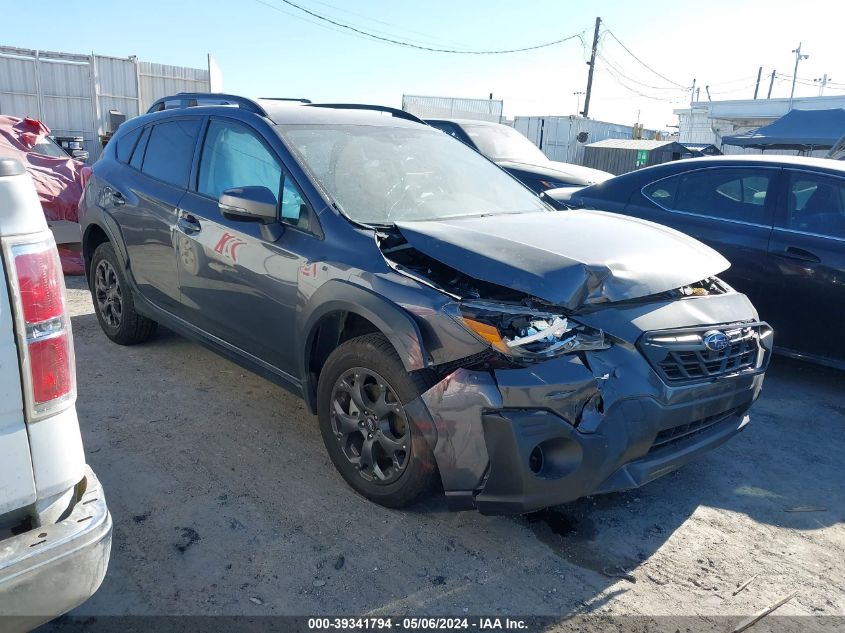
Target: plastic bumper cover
(517,440)
(52,569)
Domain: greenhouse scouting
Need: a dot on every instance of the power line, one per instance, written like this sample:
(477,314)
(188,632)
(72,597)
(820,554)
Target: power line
(628,50)
(615,67)
(407,44)
(426,38)
(627,87)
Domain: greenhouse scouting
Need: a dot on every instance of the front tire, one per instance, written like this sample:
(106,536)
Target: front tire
(113,302)
(371,438)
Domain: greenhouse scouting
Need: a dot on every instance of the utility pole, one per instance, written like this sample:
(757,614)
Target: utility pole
(822,81)
(771,83)
(798,58)
(759,75)
(577,96)
(592,65)
(692,95)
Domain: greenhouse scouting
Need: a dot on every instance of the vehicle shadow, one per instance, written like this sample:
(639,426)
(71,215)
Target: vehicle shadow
(225,502)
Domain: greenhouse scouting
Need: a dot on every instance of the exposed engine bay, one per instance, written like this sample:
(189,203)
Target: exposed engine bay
(521,327)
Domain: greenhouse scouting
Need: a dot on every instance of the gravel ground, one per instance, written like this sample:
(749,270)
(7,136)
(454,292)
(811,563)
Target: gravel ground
(225,502)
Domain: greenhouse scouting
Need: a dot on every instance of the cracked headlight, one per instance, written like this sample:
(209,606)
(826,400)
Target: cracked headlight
(523,333)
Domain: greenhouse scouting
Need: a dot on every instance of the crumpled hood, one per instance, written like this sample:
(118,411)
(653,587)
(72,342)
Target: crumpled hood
(568,258)
(564,172)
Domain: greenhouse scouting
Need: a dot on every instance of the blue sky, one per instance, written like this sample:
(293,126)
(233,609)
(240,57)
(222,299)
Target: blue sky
(264,51)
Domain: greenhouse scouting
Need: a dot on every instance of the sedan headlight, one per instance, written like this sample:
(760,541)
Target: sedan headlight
(519,332)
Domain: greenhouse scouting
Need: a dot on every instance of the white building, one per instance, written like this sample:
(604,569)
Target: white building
(709,121)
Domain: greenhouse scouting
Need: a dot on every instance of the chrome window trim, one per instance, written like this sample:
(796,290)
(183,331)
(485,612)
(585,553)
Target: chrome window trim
(808,233)
(699,215)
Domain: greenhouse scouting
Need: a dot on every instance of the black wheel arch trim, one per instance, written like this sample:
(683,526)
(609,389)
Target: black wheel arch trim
(110,227)
(396,324)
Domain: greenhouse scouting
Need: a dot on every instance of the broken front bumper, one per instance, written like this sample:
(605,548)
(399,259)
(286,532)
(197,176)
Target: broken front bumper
(52,569)
(517,440)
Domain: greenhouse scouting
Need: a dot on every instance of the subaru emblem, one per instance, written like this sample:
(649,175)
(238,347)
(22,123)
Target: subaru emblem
(716,341)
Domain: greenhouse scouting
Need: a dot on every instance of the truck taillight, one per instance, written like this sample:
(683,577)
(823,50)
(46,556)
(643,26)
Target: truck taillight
(43,326)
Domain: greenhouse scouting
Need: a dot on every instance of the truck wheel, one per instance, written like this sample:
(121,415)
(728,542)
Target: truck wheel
(371,438)
(113,300)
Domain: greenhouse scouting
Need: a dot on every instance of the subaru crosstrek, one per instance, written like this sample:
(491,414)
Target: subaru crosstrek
(445,325)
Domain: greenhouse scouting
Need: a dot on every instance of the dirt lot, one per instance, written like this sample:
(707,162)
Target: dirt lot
(224,502)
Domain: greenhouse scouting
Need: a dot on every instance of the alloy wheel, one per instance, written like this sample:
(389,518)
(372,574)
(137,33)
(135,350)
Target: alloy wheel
(371,425)
(108,293)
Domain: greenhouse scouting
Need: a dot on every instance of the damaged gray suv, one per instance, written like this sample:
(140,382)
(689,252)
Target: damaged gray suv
(446,326)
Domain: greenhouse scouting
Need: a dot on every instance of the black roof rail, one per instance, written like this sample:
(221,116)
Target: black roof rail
(399,114)
(193,99)
(286,99)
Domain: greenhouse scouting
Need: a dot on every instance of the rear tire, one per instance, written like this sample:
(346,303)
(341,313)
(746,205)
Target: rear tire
(113,302)
(372,440)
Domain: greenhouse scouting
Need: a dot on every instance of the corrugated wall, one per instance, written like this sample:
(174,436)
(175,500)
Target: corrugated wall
(159,80)
(72,94)
(557,136)
(453,108)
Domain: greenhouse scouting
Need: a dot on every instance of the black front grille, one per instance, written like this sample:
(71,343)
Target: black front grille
(682,356)
(670,436)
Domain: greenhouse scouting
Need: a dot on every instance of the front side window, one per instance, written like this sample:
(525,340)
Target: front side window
(380,174)
(731,193)
(170,151)
(816,204)
(233,156)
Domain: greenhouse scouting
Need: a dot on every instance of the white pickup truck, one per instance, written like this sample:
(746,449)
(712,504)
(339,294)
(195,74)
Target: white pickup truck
(55,528)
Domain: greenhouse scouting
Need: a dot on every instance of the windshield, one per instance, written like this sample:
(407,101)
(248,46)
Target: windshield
(500,142)
(48,148)
(384,174)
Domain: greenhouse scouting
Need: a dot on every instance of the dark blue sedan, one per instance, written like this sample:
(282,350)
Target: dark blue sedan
(779,220)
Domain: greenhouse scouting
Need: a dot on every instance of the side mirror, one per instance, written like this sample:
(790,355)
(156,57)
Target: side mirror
(249,204)
(80,155)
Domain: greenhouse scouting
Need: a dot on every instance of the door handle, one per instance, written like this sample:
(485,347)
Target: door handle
(188,224)
(798,254)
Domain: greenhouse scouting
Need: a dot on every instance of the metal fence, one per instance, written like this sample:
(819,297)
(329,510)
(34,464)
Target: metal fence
(453,108)
(73,94)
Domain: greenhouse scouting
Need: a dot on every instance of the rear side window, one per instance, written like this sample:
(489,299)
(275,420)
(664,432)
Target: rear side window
(126,143)
(816,204)
(170,151)
(731,194)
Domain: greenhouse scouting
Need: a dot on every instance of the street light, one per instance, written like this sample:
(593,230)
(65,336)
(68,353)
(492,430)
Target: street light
(577,96)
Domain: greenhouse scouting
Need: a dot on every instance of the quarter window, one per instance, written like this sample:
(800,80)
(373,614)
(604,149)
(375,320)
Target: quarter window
(816,204)
(138,154)
(663,192)
(294,208)
(232,156)
(170,151)
(126,143)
